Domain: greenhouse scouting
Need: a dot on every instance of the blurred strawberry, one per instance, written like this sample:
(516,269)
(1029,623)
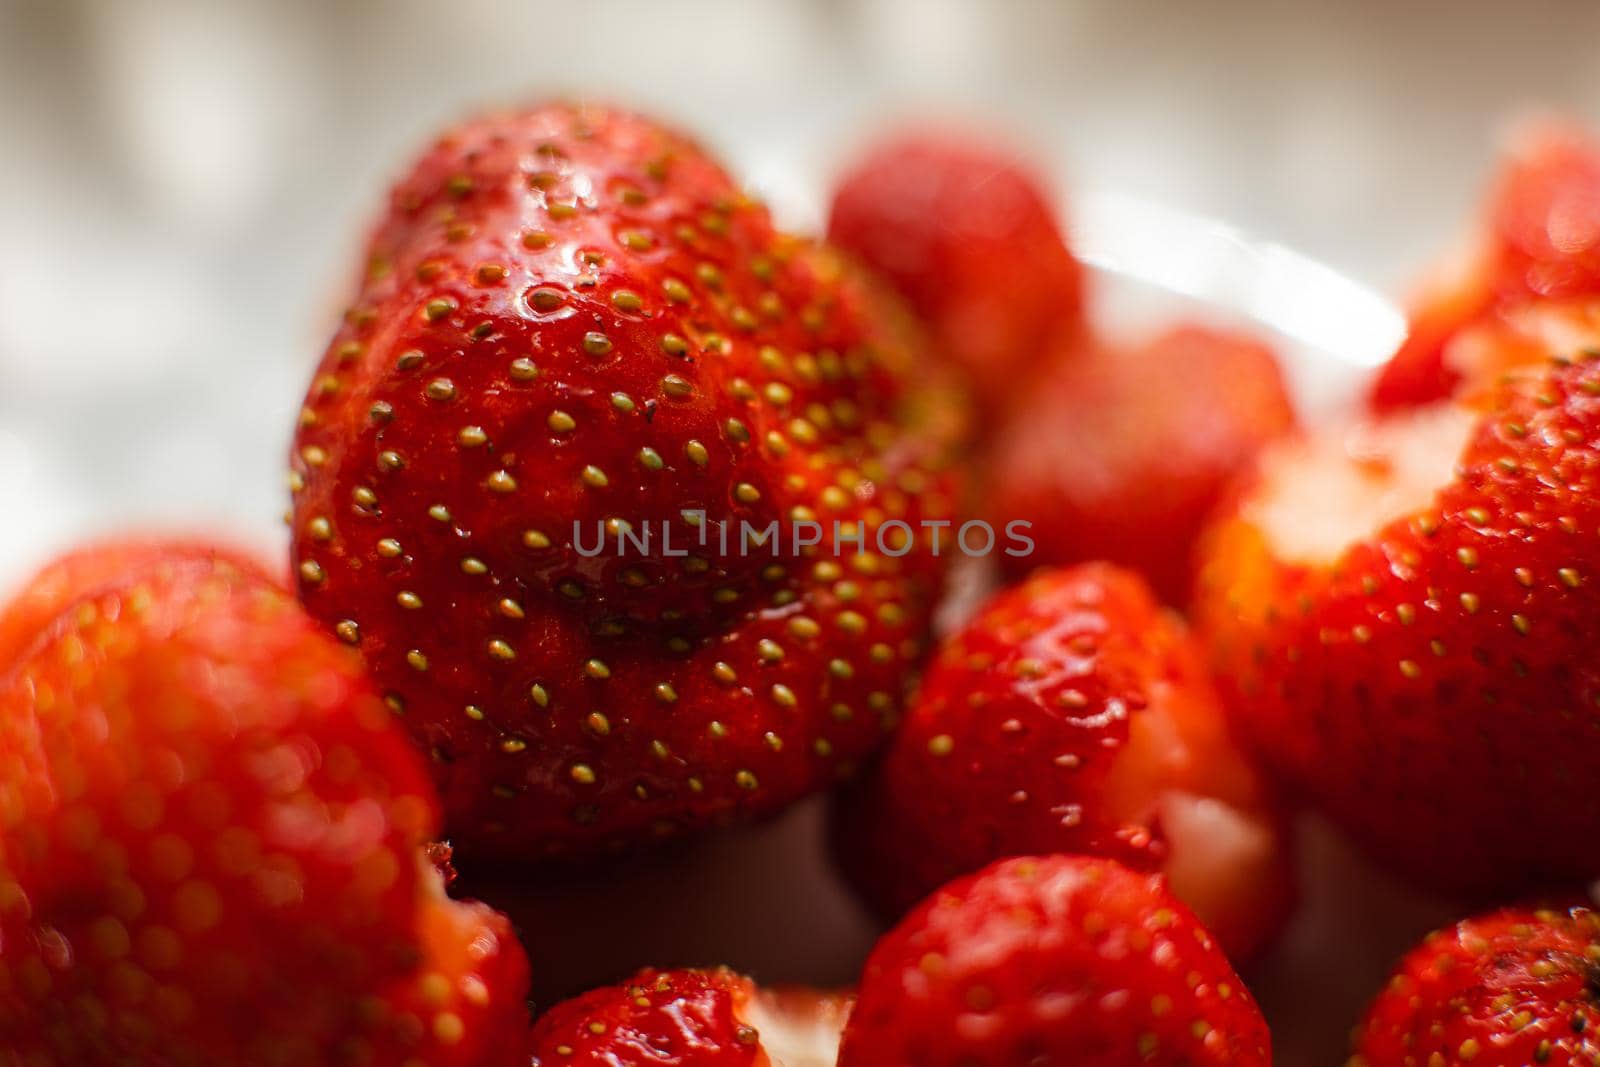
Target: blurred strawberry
(691,1018)
(210,840)
(1530,280)
(1052,959)
(1506,989)
(969,234)
(1072,714)
(80,572)
(1121,454)
(1402,614)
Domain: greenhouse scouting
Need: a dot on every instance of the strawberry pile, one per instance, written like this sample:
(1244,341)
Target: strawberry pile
(619,515)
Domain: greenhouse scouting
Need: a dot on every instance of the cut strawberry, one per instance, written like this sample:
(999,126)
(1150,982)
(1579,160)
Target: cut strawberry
(1121,454)
(1403,612)
(691,1018)
(1506,989)
(1054,959)
(1539,244)
(1072,714)
(210,841)
(576,325)
(968,233)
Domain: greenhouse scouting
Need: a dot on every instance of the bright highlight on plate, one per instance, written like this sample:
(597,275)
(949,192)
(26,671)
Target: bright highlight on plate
(1219,264)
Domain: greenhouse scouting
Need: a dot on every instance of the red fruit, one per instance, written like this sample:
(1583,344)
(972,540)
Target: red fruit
(210,841)
(1072,714)
(575,318)
(968,233)
(1404,612)
(691,1018)
(1052,959)
(1506,989)
(1533,271)
(1121,455)
(79,573)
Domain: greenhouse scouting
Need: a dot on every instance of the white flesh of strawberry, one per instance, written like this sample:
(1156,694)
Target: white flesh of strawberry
(799,1028)
(1226,864)
(1320,495)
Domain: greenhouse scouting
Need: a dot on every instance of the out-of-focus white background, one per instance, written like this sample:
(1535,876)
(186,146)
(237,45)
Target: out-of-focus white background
(183,183)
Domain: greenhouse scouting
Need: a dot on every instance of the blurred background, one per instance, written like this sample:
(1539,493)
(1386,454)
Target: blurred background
(183,184)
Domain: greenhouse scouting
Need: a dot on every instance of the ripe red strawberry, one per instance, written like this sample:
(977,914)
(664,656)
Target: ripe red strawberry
(575,319)
(1533,269)
(1514,987)
(1046,960)
(79,573)
(969,234)
(210,841)
(1122,454)
(691,1018)
(1072,714)
(1404,613)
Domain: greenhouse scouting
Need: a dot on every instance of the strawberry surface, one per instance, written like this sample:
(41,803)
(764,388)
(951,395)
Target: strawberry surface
(1407,641)
(691,1018)
(1052,961)
(574,320)
(1072,714)
(1513,987)
(1533,266)
(968,233)
(210,841)
(1121,453)
(78,573)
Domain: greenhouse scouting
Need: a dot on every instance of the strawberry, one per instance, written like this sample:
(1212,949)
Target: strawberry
(1052,960)
(210,840)
(1533,268)
(968,233)
(1403,613)
(691,1018)
(1513,987)
(1072,714)
(78,573)
(575,321)
(1122,454)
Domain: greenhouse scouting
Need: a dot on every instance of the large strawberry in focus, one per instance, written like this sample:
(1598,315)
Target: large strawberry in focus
(576,328)
(1121,453)
(1529,280)
(210,840)
(1513,987)
(1072,714)
(1404,612)
(1052,960)
(969,234)
(691,1018)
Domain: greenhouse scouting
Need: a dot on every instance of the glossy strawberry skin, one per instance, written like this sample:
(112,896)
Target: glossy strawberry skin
(1121,454)
(210,844)
(969,235)
(1539,242)
(1054,959)
(1056,720)
(1432,689)
(574,316)
(1513,987)
(684,1018)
